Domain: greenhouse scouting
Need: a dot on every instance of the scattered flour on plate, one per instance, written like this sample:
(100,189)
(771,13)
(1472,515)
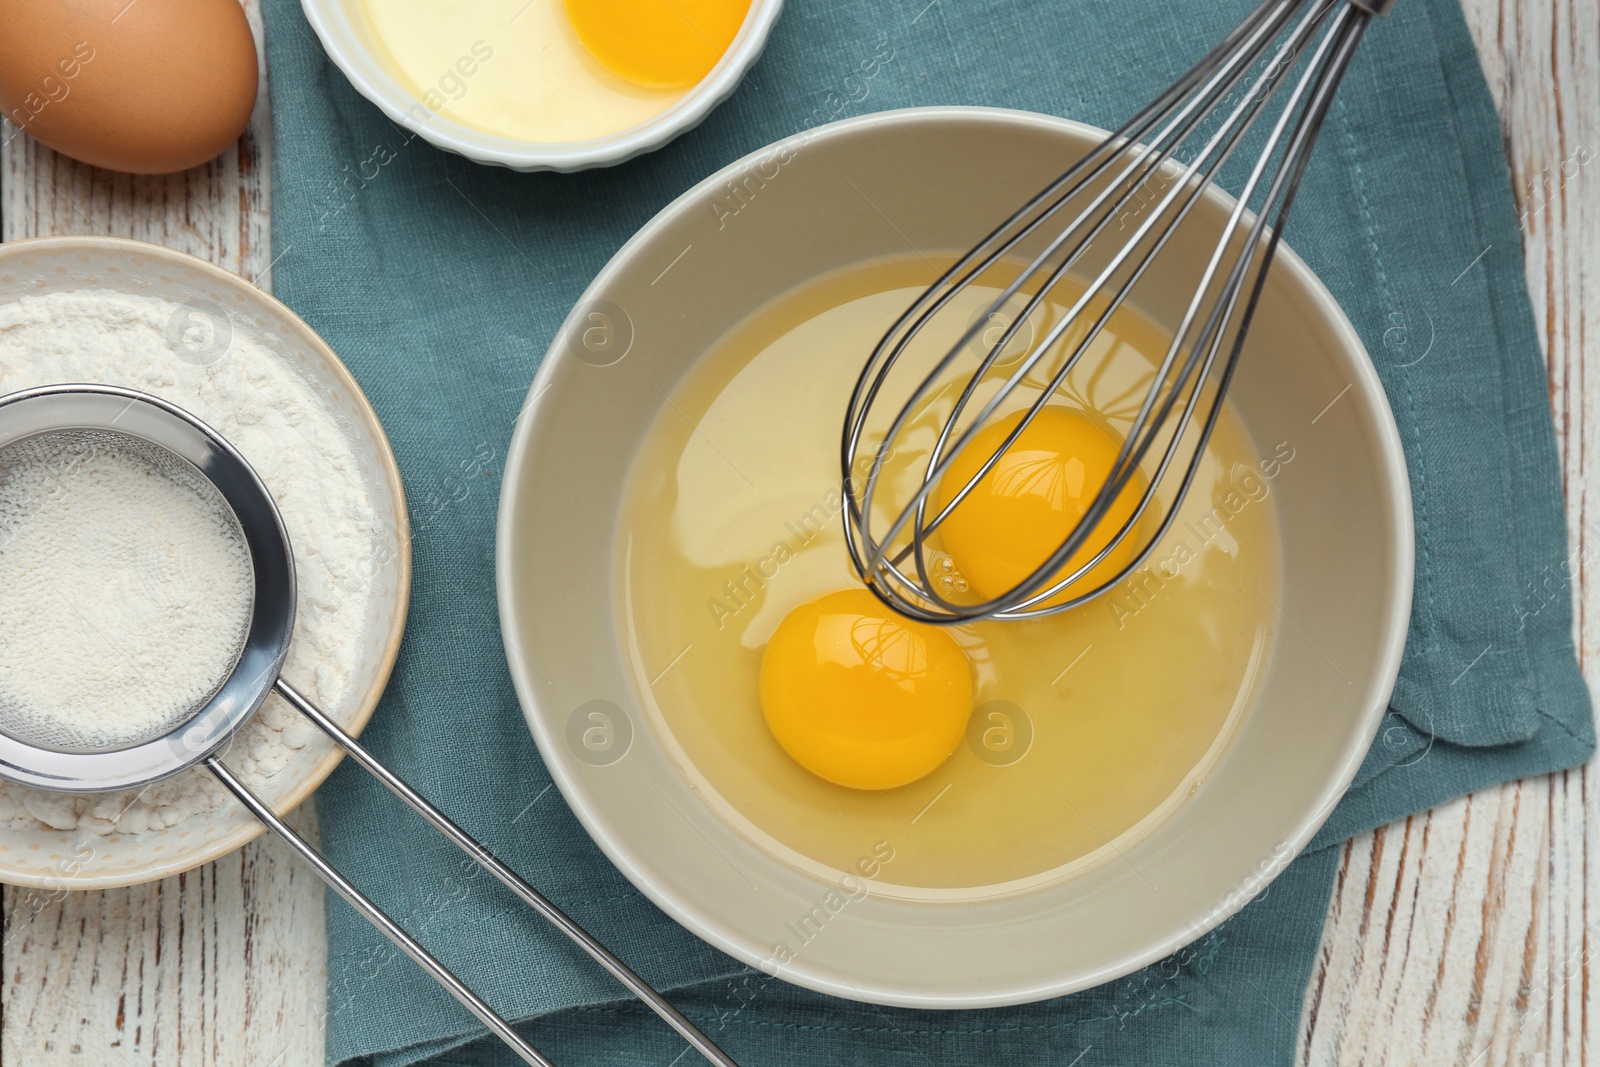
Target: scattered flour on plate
(282,423)
(125,591)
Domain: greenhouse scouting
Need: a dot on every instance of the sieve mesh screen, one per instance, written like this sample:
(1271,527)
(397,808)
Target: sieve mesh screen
(126,590)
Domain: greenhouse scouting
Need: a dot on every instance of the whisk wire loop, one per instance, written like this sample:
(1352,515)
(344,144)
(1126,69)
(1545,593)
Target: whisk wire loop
(1130,455)
(1086,171)
(1190,377)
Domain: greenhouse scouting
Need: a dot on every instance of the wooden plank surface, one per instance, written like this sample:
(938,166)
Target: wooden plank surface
(1459,936)
(224,965)
(1463,935)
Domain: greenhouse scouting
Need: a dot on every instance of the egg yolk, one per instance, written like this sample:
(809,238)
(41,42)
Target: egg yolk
(658,44)
(1032,499)
(862,696)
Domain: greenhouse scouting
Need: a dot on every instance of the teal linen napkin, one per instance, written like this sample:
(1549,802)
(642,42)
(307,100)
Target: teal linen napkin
(441,283)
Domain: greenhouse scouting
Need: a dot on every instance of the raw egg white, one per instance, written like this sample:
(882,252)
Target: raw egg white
(549,71)
(795,708)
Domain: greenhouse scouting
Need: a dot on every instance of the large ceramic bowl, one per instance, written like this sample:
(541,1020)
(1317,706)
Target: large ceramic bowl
(859,190)
(345,36)
(59,859)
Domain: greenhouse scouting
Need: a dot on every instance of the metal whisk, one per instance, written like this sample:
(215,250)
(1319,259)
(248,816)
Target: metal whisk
(1156,168)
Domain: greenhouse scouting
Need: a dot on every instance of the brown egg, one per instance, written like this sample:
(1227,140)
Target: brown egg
(145,86)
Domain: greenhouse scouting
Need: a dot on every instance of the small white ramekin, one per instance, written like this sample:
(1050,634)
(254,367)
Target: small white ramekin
(347,44)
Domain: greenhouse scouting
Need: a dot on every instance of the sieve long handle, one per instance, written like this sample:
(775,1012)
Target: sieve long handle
(374,915)
(510,879)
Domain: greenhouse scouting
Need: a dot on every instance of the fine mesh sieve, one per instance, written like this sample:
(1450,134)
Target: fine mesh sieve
(86,420)
(129,574)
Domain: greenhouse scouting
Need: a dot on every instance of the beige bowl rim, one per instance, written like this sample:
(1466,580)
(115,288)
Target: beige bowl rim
(614,841)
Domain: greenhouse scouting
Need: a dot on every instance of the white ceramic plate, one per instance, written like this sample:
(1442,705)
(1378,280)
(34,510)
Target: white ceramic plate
(881,185)
(57,859)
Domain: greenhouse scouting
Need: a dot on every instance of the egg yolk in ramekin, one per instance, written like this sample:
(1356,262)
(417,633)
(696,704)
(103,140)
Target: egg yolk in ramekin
(658,44)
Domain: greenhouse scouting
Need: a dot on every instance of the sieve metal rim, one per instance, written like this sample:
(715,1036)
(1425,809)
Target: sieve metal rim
(84,406)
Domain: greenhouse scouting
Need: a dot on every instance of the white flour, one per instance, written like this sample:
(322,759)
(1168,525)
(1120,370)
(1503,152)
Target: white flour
(125,591)
(292,436)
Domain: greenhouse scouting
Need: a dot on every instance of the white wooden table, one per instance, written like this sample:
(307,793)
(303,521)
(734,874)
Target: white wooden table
(1459,936)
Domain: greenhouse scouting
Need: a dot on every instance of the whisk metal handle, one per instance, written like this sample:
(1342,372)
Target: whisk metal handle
(509,878)
(376,916)
(1376,8)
